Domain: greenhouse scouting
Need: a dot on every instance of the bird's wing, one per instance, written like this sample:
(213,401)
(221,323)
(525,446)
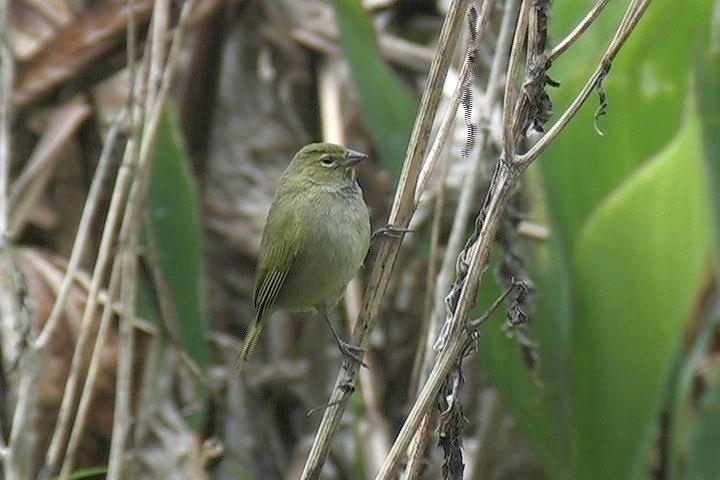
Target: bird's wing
(279,247)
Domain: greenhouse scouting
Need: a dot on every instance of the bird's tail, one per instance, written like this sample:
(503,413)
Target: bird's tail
(248,346)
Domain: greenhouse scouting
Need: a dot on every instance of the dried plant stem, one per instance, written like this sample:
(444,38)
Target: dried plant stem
(399,216)
(78,250)
(329,97)
(7,75)
(468,191)
(448,119)
(108,237)
(18,462)
(462,215)
(416,450)
(117,206)
(156,52)
(487,414)
(497,197)
(578,30)
(430,279)
(86,396)
(129,241)
(159,90)
(323,38)
(83,231)
(509,94)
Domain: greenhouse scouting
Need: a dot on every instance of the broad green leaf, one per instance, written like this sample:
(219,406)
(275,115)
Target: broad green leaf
(703,461)
(646,87)
(388,107)
(708,95)
(694,431)
(177,233)
(637,268)
(592,316)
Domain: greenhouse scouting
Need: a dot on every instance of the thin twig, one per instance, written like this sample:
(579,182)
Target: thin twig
(86,220)
(30,185)
(62,425)
(416,450)
(108,237)
(7,75)
(86,397)
(579,29)
(466,202)
(447,359)
(508,96)
(399,217)
(451,113)
(126,350)
(160,22)
(463,212)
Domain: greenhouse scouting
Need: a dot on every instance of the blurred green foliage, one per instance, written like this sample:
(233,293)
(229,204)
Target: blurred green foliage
(619,279)
(707,74)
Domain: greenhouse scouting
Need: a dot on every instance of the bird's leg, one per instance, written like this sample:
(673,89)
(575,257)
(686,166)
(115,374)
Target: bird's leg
(391,231)
(350,352)
(347,389)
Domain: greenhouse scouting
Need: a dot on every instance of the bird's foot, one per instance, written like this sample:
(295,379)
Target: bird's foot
(391,231)
(352,353)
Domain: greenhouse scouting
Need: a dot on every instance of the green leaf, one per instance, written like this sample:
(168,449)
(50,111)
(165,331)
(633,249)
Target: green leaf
(89,473)
(703,463)
(646,88)
(708,96)
(175,227)
(637,267)
(388,106)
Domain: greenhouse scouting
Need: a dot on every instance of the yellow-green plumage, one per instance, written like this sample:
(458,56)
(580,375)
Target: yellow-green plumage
(315,239)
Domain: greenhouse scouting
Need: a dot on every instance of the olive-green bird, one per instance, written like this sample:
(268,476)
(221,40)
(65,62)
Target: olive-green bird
(315,239)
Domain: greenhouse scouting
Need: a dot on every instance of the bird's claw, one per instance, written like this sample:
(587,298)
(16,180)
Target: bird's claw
(352,353)
(391,231)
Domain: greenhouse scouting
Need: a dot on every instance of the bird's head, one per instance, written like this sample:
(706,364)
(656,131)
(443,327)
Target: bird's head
(325,163)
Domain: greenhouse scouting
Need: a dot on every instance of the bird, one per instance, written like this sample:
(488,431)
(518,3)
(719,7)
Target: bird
(315,239)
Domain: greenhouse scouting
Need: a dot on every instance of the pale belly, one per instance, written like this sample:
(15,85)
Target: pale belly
(329,258)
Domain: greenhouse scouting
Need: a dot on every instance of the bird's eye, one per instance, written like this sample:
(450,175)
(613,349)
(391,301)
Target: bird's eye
(327,161)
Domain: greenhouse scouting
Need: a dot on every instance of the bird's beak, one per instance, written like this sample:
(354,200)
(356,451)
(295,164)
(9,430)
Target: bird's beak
(353,157)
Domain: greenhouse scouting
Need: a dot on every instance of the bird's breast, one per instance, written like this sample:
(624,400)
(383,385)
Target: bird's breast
(336,237)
